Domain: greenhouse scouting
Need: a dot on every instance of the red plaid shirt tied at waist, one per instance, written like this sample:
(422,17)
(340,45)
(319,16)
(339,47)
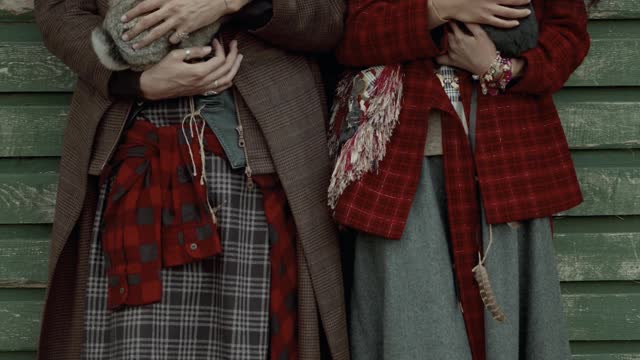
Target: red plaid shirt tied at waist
(156,213)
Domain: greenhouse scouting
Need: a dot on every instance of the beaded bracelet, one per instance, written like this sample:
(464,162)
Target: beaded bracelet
(497,77)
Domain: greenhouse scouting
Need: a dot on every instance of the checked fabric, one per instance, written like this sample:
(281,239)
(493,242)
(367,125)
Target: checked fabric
(239,304)
(284,277)
(156,214)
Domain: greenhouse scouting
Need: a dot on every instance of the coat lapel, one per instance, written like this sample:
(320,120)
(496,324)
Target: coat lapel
(291,117)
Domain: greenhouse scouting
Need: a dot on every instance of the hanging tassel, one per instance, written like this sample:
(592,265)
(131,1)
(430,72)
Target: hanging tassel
(486,292)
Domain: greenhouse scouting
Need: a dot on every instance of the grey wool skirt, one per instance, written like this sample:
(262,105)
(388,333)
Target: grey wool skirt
(402,297)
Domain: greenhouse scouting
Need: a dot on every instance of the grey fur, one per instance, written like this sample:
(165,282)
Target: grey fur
(117,54)
(513,42)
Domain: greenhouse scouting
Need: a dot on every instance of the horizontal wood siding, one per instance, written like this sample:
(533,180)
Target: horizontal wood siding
(598,243)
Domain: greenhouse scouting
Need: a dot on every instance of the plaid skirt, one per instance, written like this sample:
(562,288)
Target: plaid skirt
(213,309)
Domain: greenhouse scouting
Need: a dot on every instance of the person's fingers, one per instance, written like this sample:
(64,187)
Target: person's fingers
(200,71)
(513,2)
(155,34)
(223,82)
(215,72)
(509,13)
(501,23)
(476,30)
(457,31)
(179,35)
(142,8)
(219,64)
(228,79)
(454,42)
(181,55)
(143,24)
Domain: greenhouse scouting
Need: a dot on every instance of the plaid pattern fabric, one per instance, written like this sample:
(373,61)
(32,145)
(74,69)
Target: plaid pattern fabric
(284,274)
(522,158)
(465,233)
(156,214)
(521,161)
(448,79)
(217,308)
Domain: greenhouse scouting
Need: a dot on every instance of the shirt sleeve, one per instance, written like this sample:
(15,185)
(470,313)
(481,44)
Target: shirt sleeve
(312,26)
(563,44)
(386,32)
(66,28)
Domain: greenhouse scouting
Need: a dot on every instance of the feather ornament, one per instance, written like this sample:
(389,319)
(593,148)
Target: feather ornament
(487,295)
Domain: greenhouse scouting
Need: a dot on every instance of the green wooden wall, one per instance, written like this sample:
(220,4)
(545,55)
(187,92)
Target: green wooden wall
(598,243)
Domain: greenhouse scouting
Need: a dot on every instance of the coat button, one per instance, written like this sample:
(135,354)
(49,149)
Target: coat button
(121,291)
(194,246)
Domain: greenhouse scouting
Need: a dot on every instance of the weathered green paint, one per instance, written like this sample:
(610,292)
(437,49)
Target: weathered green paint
(588,249)
(598,248)
(615,9)
(31,129)
(600,118)
(15,355)
(23,255)
(605,311)
(27,190)
(610,182)
(605,350)
(598,243)
(605,315)
(33,125)
(613,58)
(20,312)
(15,10)
(26,66)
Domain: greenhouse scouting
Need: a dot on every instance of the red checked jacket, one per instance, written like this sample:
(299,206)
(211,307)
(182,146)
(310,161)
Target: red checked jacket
(522,161)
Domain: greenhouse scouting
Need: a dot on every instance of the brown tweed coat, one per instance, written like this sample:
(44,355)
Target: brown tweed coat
(282,107)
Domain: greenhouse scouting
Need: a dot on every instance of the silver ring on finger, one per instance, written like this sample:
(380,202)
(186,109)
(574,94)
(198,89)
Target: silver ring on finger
(215,84)
(187,54)
(210,93)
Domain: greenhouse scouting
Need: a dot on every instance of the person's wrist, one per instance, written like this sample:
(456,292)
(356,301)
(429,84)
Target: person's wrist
(482,67)
(443,9)
(517,67)
(145,86)
(435,18)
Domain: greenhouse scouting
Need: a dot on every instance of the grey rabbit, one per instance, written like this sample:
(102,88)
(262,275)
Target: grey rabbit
(515,41)
(117,54)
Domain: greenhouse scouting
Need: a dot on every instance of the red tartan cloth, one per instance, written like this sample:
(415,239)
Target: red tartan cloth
(284,273)
(166,186)
(522,161)
(156,214)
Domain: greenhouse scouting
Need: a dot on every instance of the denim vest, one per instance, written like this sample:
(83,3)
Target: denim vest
(219,111)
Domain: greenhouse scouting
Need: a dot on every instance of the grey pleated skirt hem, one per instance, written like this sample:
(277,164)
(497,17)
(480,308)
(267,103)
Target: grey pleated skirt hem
(403,303)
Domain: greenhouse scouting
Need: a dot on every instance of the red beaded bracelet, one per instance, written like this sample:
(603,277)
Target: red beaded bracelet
(496,79)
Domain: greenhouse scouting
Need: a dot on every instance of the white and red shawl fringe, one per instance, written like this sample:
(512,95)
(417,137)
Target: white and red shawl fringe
(378,95)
